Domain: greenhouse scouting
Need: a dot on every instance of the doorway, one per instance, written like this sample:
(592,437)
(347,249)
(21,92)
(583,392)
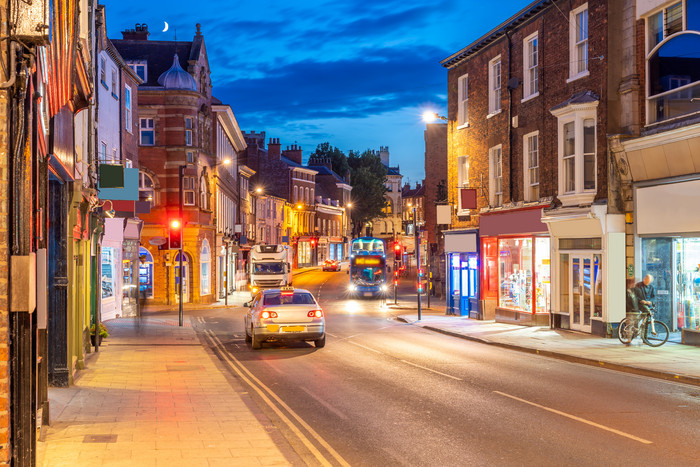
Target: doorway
(585,289)
(185,278)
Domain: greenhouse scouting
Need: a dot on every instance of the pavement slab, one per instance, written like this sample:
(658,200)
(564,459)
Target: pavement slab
(153,396)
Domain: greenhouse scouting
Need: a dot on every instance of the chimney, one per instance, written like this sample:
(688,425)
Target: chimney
(384,155)
(320,162)
(294,154)
(139,33)
(274,149)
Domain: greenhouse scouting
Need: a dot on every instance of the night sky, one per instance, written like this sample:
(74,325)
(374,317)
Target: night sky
(358,74)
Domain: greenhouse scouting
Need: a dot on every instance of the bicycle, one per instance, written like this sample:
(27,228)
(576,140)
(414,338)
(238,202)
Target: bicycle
(654,333)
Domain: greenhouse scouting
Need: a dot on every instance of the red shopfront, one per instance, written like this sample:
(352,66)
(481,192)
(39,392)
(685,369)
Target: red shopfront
(515,274)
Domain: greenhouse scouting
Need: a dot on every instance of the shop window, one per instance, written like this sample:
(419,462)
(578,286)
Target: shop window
(205,265)
(515,271)
(489,278)
(108,265)
(580,243)
(542,275)
(145,273)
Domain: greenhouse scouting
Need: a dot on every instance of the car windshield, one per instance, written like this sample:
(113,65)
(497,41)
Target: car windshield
(295,298)
(268,268)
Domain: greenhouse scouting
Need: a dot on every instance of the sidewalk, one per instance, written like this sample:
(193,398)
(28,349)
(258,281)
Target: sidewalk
(153,396)
(672,361)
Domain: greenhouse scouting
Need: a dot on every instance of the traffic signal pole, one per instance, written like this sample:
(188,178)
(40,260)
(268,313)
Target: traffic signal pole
(182,200)
(417,247)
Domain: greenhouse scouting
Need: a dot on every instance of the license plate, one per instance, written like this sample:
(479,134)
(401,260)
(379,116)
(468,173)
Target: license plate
(293,329)
(368,294)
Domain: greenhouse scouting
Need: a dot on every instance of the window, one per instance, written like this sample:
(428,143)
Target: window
(127,108)
(306,195)
(103,72)
(673,63)
(313,196)
(578,50)
(114,84)
(388,206)
(532,167)
(203,194)
(296,194)
(462,181)
(495,85)
(190,156)
(496,176)
(148,132)
(103,152)
(188,190)
(463,99)
(146,189)
(205,271)
(577,153)
(530,66)
(140,70)
(188,131)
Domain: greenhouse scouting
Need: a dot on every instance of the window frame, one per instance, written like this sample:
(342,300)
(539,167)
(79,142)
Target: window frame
(495,176)
(574,72)
(528,67)
(493,82)
(128,115)
(527,168)
(205,272)
(103,72)
(462,182)
(103,152)
(115,85)
(463,101)
(147,129)
(188,191)
(146,189)
(189,127)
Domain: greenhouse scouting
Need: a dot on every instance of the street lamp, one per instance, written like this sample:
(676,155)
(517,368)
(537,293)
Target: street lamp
(429,117)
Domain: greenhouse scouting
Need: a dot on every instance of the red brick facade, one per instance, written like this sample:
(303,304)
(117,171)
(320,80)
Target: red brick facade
(435,137)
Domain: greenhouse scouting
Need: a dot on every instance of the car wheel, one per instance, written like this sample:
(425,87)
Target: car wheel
(248,338)
(320,343)
(255,343)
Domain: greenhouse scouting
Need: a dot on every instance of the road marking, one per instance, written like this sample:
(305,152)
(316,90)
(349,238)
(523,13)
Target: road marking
(332,335)
(578,419)
(325,404)
(365,347)
(431,370)
(240,369)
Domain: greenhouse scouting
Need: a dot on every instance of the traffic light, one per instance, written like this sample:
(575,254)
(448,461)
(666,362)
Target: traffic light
(420,287)
(313,243)
(420,273)
(175,234)
(397,248)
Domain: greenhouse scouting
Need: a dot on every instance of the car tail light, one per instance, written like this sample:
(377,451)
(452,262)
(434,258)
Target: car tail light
(315,314)
(268,314)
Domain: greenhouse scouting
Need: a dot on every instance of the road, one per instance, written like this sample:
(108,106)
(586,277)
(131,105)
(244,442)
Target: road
(386,393)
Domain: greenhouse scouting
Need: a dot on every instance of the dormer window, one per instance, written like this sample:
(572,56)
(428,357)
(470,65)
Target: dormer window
(140,68)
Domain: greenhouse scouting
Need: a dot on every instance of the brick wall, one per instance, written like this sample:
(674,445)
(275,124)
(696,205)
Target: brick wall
(435,136)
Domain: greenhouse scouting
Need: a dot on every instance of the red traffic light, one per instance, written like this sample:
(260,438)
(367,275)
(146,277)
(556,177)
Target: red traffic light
(175,234)
(175,224)
(396,283)
(397,247)
(313,242)
(420,272)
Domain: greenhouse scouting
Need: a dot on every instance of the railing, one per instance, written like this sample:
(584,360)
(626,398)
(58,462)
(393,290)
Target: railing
(674,103)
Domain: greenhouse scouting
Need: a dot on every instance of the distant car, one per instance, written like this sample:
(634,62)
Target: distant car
(331,265)
(284,314)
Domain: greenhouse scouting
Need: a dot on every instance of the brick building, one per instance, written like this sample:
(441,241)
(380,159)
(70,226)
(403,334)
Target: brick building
(658,158)
(528,170)
(391,225)
(176,133)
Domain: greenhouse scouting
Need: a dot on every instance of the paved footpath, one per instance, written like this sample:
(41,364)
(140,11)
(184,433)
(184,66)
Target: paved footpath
(672,361)
(153,396)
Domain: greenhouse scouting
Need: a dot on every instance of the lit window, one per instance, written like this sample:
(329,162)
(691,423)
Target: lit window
(463,100)
(496,175)
(531,66)
(148,132)
(495,85)
(578,50)
(146,189)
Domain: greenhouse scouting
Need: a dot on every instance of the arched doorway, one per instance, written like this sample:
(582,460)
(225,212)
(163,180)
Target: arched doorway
(186,275)
(145,274)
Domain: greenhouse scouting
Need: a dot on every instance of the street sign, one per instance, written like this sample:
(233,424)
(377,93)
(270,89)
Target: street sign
(157,241)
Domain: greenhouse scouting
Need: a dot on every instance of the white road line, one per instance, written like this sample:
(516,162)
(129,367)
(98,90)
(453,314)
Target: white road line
(578,419)
(364,347)
(332,335)
(431,370)
(325,404)
(240,369)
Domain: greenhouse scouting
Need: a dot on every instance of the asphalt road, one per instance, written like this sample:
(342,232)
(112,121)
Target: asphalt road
(386,393)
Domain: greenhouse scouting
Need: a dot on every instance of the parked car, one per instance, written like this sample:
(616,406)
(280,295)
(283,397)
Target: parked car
(284,314)
(331,265)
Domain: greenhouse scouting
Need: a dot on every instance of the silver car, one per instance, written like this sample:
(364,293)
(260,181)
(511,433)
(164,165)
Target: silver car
(285,314)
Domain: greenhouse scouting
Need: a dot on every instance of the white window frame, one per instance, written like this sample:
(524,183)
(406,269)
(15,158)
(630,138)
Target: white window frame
(496,176)
(145,189)
(205,268)
(103,72)
(189,126)
(528,168)
(664,21)
(495,86)
(462,182)
(135,68)
(188,191)
(463,101)
(127,108)
(115,84)
(577,114)
(574,43)
(189,156)
(150,126)
(531,67)
(103,152)
(203,194)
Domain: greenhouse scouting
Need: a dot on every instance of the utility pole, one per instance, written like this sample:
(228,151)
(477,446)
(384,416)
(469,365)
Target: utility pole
(417,248)
(182,227)
(226,274)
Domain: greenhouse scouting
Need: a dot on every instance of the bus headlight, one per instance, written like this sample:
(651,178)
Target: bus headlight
(351,287)
(384,288)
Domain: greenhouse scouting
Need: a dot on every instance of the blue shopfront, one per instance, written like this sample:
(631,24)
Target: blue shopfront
(461,250)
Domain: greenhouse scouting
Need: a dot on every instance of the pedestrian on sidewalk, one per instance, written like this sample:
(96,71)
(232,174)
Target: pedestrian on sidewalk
(644,292)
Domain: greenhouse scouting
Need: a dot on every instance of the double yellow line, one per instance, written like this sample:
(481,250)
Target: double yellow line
(268,395)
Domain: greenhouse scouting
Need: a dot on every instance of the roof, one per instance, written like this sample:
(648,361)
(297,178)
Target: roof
(323,170)
(177,78)
(414,192)
(496,33)
(157,54)
(582,97)
(393,171)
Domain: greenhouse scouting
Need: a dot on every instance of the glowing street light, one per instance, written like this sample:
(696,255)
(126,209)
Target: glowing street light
(429,117)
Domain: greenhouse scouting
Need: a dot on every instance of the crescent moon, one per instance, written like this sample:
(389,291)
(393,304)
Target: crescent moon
(166,26)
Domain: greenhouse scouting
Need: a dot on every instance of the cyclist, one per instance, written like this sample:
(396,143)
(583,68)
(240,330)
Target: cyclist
(644,292)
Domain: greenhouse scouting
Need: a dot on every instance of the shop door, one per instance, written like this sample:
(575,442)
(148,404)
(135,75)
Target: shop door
(185,281)
(581,292)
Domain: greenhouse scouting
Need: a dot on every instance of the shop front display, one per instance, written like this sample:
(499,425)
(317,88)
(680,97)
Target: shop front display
(145,274)
(462,273)
(304,253)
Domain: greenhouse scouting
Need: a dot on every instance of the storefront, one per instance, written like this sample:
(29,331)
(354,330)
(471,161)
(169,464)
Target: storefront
(304,252)
(111,269)
(130,267)
(668,248)
(516,272)
(335,248)
(226,268)
(145,274)
(588,268)
(462,266)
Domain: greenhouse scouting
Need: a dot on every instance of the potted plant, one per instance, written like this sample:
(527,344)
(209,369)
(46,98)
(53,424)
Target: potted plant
(103,333)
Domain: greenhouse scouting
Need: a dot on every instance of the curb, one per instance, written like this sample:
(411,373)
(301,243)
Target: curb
(667,376)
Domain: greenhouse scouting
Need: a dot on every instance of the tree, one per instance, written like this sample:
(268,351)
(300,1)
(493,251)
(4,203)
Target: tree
(339,161)
(368,178)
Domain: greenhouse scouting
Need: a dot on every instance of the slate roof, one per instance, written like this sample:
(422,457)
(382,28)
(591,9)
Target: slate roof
(582,97)
(323,170)
(158,55)
(393,171)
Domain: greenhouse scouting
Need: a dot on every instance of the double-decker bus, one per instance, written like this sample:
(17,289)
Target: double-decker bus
(367,267)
